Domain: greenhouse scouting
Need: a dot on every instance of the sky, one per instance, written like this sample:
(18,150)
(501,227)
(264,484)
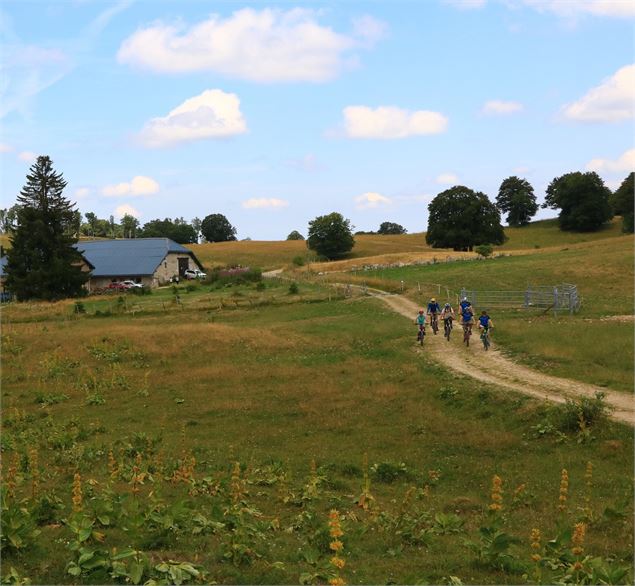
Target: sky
(273,113)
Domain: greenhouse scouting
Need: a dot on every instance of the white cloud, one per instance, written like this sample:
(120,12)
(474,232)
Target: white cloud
(521,170)
(122,210)
(263,202)
(466,4)
(371,200)
(573,8)
(82,192)
(369,29)
(212,114)
(5,148)
(501,107)
(447,179)
(611,101)
(139,185)
(27,156)
(388,122)
(266,45)
(625,163)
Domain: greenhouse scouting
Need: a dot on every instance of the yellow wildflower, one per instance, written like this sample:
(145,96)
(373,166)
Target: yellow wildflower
(579,532)
(497,494)
(77,492)
(336,581)
(338,562)
(564,491)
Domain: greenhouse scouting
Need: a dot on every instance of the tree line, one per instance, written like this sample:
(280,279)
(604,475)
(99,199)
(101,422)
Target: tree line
(44,226)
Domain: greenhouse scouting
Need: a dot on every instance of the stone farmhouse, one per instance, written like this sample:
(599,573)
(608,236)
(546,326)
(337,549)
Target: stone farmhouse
(149,261)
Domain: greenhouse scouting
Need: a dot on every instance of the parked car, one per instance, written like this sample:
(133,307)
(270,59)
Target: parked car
(132,285)
(194,274)
(116,286)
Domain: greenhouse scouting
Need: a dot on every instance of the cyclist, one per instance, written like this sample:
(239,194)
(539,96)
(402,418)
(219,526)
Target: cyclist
(433,310)
(484,321)
(485,324)
(447,315)
(420,321)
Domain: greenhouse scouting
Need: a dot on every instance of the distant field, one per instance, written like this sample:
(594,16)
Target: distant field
(403,248)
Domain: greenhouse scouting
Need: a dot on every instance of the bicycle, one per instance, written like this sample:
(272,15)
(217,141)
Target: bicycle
(447,327)
(467,332)
(421,334)
(485,338)
(434,322)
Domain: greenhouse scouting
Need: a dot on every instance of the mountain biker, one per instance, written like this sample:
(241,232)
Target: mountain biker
(467,313)
(447,312)
(484,321)
(420,321)
(433,310)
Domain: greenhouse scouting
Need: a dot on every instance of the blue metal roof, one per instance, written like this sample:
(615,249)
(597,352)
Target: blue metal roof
(130,257)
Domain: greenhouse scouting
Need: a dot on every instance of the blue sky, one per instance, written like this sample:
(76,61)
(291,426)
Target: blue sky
(275,112)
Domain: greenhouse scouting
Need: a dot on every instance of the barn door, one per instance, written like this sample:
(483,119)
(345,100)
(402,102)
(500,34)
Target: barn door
(184,264)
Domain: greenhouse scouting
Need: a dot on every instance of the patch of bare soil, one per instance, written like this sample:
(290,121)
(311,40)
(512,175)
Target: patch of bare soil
(492,367)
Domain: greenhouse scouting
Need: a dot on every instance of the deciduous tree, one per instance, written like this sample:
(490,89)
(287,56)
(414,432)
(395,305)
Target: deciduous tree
(391,228)
(330,236)
(295,235)
(216,228)
(461,218)
(516,197)
(583,201)
(622,202)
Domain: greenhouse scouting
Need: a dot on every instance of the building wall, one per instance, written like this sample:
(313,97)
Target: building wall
(169,267)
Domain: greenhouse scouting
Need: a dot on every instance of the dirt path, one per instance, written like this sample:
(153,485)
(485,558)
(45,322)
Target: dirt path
(494,368)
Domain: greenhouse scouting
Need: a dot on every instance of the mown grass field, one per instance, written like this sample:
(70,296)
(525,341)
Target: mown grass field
(276,388)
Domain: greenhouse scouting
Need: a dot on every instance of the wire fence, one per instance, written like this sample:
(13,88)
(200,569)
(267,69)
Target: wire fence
(562,297)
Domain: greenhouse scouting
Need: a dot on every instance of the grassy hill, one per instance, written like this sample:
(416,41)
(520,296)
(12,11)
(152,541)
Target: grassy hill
(400,248)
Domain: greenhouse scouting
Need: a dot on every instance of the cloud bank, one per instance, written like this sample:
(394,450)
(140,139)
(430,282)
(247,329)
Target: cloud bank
(371,200)
(266,45)
(612,101)
(212,114)
(624,164)
(263,202)
(138,186)
(389,122)
(500,107)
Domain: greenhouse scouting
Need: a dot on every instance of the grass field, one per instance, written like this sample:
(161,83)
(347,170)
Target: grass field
(275,388)
(124,418)
(581,347)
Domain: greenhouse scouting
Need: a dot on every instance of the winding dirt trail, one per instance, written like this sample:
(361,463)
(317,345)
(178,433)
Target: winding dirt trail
(494,368)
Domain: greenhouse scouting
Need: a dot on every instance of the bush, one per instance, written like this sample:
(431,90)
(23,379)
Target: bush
(235,276)
(260,286)
(298,261)
(79,307)
(293,289)
(484,250)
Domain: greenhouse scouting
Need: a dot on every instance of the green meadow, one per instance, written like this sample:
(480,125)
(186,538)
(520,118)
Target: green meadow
(204,434)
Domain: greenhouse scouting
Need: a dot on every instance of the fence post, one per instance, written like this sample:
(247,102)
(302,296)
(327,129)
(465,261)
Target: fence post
(555,301)
(527,298)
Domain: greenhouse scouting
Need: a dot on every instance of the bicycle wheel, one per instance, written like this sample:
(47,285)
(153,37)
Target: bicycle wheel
(485,340)
(422,335)
(435,325)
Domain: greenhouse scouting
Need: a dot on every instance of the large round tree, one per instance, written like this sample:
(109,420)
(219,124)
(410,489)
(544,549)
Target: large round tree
(583,201)
(330,236)
(42,262)
(461,218)
(516,198)
(622,202)
(216,228)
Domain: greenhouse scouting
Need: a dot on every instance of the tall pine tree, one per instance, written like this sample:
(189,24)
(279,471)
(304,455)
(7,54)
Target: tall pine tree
(42,262)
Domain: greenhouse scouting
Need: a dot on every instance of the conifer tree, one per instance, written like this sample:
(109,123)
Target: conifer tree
(42,262)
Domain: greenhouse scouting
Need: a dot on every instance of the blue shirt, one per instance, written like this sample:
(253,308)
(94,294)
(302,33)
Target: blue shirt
(484,321)
(434,307)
